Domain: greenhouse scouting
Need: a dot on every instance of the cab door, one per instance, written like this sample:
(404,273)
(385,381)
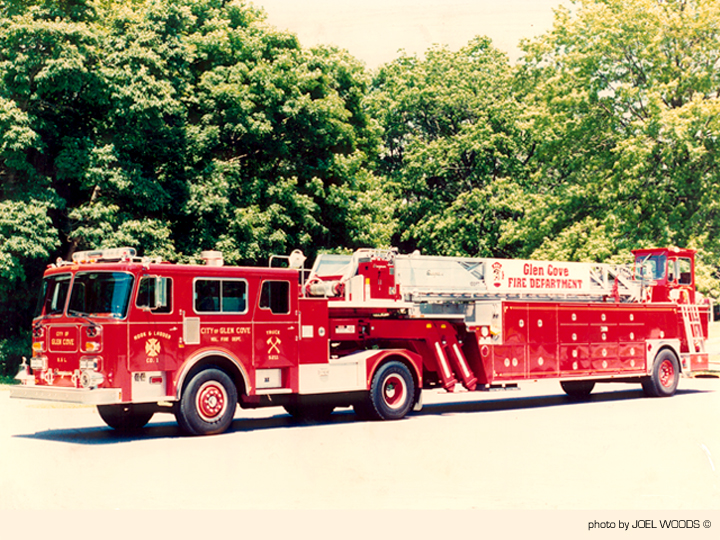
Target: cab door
(155,330)
(154,327)
(275,333)
(680,277)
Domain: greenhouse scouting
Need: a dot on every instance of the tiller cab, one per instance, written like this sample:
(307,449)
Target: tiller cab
(370,330)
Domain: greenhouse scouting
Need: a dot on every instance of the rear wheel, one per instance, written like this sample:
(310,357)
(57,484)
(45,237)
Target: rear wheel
(392,392)
(665,375)
(577,389)
(208,403)
(124,417)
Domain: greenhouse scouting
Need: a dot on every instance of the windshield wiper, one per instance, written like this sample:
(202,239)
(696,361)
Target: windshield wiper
(83,316)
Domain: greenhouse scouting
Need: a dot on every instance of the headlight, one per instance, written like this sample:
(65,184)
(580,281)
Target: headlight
(91,379)
(89,362)
(39,363)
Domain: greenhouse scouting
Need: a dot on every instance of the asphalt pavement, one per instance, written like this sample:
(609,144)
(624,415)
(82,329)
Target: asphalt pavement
(527,449)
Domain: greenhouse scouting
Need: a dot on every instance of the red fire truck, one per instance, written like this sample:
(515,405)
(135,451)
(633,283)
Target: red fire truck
(370,330)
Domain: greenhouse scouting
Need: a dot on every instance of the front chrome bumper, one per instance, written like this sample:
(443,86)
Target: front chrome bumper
(98,396)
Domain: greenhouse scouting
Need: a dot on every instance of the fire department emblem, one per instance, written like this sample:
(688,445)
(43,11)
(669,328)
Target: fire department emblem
(152,347)
(274,343)
(497,274)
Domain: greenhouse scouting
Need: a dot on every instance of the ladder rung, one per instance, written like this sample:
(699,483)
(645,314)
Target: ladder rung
(693,327)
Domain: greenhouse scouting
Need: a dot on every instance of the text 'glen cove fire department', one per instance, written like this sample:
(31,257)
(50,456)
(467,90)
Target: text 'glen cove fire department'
(370,330)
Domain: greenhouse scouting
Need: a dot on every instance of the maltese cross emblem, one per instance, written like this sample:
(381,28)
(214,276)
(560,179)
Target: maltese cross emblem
(152,347)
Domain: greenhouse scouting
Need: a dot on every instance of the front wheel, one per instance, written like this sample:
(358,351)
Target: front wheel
(208,403)
(392,392)
(665,376)
(124,417)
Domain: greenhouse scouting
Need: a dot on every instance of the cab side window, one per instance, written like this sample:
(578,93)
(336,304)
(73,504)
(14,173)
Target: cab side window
(220,296)
(672,276)
(233,296)
(651,267)
(155,293)
(684,270)
(275,296)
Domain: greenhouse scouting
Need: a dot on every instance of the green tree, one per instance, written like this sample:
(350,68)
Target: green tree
(623,99)
(282,142)
(179,126)
(46,114)
(453,148)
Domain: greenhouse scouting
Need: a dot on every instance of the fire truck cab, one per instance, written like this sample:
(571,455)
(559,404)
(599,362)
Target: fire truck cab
(668,274)
(136,337)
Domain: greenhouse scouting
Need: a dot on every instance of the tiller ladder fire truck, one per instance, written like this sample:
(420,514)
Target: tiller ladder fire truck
(370,330)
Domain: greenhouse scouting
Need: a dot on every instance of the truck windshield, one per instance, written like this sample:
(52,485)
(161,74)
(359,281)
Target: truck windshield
(53,295)
(651,267)
(104,294)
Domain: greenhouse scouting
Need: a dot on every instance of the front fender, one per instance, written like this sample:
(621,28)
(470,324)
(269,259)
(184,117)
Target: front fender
(220,358)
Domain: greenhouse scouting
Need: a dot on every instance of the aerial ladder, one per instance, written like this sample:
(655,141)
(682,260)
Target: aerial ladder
(442,281)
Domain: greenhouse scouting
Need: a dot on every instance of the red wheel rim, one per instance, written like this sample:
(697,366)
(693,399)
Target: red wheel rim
(667,373)
(211,401)
(394,391)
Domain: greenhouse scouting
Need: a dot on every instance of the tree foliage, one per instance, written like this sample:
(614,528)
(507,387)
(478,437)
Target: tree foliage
(181,126)
(453,147)
(623,97)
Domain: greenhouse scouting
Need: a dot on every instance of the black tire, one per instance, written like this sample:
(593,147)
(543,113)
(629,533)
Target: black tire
(392,392)
(665,376)
(577,389)
(310,413)
(208,403)
(124,417)
(364,410)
